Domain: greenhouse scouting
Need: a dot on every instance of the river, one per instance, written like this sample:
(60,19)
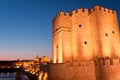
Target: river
(11,76)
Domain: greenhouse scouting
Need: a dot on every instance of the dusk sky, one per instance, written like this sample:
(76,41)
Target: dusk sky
(26,25)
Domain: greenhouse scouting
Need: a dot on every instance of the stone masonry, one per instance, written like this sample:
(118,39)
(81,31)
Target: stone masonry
(85,45)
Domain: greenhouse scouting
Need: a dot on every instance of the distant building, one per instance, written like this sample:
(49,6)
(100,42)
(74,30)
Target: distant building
(42,60)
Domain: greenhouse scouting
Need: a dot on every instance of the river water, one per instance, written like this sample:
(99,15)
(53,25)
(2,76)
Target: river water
(7,76)
(11,76)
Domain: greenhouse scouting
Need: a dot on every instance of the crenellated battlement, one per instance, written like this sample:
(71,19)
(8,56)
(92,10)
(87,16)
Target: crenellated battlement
(97,8)
(101,62)
(79,11)
(108,61)
(77,24)
(102,9)
(86,45)
(80,64)
(67,14)
(62,14)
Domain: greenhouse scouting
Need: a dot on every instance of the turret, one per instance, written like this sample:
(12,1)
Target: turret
(61,34)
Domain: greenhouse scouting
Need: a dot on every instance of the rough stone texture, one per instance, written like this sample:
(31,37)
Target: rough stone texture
(85,34)
(101,69)
(84,70)
(108,69)
(85,45)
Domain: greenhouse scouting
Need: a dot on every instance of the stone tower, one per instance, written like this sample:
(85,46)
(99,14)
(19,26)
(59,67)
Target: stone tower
(105,32)
(85,34)
(62,38)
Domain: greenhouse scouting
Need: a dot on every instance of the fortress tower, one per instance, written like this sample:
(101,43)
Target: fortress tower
(85,45)
(85,34)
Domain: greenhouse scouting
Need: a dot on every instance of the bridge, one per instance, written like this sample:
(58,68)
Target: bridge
(10,66)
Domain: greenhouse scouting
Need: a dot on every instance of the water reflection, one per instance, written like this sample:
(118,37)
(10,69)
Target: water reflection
(12,76)
(7,76)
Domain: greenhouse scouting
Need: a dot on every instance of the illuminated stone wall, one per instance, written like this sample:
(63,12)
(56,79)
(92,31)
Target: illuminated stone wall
(73,71)
(85,34)
(101,69)
(105,20)
(82,37)
(62,38)
(86,45)
(105,32)
(108,69)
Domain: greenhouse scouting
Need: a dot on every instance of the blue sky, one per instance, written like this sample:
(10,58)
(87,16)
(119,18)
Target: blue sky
(26,25)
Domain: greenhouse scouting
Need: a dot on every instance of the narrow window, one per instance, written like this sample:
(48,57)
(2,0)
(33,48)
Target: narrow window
(80,25)
(111,62)
(106,34)
(82,65)
(56,29)
(57,46)
(113,32)
(85,42)
(57,54)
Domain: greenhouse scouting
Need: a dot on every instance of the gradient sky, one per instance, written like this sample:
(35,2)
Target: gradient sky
(26,25)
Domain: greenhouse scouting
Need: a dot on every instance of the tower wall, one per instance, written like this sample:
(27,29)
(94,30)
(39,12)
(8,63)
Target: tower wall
(108,69)
(67,45)
(57,48)
(79,37)
(57,39)
(73,71)
(82,38)
(95,33)
(62,38)
(115,35)
(84,34)
(108,31)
